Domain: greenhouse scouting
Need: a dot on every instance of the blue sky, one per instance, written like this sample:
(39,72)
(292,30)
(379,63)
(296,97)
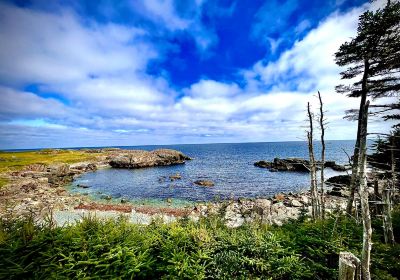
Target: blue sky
(102,73)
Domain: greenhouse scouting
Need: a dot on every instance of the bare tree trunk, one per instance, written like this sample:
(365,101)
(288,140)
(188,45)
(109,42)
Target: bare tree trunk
(349,266)
(393,160)
(365,213)
(355,168)
(313,169)
(387,216)
(321,124)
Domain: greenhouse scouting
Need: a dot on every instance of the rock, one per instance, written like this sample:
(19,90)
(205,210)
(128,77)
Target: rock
(295,203)
(233,216)
(263,203)
(177,176)
(246,207)
(106,197)
(38,167)
(204,183)
(31,186)
(91,167)
(335,166)
(340,180)
(263,164)
(124,200)
(43,180)
(289,164)
(141,159)
(304,199)
(337,191)
(83,186)
(296,165)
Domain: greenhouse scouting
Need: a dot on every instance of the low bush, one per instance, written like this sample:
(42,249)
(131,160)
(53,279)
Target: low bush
(117,249)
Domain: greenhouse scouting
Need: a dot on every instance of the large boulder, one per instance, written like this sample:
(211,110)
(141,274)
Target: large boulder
(140,158)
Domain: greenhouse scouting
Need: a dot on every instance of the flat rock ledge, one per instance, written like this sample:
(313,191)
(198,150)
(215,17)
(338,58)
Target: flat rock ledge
(296,164)
(140,159)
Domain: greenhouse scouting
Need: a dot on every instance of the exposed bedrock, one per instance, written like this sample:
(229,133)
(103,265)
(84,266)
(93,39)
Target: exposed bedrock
(140,159)
(296,164)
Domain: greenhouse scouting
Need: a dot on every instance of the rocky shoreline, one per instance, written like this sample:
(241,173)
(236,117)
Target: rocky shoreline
(39,189)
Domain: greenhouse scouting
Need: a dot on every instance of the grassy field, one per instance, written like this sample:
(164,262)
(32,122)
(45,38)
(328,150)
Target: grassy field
(116,249)
(14,161)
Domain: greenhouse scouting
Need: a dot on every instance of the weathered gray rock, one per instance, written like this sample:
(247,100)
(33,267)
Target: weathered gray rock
(141,159)
(233,216)
(295,203)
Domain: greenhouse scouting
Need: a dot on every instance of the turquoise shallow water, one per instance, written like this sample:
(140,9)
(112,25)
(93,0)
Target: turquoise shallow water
(229,166)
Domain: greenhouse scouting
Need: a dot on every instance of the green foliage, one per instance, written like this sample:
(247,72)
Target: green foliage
(117,249)
(383,148)
(11,161)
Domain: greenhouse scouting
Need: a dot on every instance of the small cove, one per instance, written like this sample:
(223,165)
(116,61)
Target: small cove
(229,166)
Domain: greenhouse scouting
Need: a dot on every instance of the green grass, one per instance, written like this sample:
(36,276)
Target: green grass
(13,161)
(116,249)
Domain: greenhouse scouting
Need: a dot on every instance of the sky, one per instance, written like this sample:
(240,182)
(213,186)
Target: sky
(115,73)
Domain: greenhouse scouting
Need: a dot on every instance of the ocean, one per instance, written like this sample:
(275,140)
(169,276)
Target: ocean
(229,166)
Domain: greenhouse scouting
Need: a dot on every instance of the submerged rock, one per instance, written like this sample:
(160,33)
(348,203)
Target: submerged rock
(176,176)
(140,159)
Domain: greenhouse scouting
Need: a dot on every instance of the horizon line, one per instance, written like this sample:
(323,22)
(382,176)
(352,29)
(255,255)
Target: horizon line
(147,145)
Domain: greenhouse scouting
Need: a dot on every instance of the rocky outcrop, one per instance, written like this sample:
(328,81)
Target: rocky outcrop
(339,180)
(140,159)
(276,210)
(295,164)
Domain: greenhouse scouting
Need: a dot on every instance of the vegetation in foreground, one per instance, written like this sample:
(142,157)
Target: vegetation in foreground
(117,249)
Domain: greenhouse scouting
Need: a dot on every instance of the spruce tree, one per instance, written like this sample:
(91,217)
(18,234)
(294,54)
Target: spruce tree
(372,59)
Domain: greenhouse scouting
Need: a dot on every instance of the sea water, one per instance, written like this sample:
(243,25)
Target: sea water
(229,166)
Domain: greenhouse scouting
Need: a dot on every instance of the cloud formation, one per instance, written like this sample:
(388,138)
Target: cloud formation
(69,81)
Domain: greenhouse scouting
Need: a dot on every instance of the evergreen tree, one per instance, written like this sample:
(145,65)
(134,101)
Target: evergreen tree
(384,150)
(372,59)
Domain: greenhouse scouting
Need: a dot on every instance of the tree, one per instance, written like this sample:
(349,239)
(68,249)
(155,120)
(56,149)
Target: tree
(313,168)
(365,213)
(372,60)
(322,127)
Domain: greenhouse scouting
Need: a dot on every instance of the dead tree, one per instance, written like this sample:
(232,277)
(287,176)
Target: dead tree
(313,169)
(365,213)
(322,126)
(349,267)
(387,198)
(387,216)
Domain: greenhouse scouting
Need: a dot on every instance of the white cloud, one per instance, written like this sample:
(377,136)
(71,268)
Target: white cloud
(164,11)
(41,47)
(17,104)
(100,69)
